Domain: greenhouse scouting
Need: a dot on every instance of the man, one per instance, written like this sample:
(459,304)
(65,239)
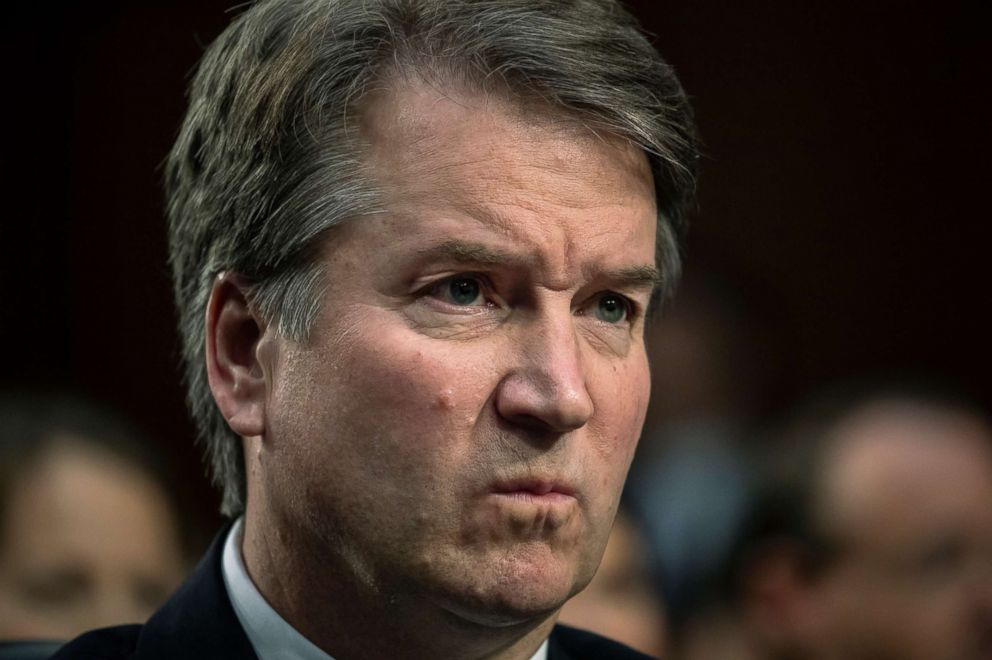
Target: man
(873,537)
(414,245)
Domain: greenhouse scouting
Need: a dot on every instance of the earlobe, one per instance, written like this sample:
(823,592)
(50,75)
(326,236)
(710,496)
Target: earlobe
(237,379)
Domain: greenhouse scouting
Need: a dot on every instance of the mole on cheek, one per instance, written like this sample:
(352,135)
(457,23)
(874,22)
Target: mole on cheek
(445,400)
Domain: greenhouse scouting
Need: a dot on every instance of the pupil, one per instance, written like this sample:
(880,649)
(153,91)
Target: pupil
(464,291)
(611,310)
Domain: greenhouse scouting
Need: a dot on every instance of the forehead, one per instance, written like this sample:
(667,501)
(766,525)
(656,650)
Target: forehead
(431,120)
(493,159)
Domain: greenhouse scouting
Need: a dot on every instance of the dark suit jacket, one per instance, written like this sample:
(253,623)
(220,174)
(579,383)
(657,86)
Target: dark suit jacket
(198,621)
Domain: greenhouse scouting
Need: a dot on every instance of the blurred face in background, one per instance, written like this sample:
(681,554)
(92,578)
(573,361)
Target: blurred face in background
(909,498)
(86,540)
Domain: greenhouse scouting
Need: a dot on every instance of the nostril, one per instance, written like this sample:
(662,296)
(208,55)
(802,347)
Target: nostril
(535,403)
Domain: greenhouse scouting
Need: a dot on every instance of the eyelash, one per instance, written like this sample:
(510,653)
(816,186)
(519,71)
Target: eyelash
(632,308)
(435,290)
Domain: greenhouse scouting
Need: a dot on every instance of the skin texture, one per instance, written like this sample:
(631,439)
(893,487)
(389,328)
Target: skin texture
(88,541)
(397,460)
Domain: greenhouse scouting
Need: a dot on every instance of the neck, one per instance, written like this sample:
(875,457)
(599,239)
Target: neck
(349,615)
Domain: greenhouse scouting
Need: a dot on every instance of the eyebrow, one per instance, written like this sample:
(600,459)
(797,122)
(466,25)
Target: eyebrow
(470,253)
(637,276)
(646,276)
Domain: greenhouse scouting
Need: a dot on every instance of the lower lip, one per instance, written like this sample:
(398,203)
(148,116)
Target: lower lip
(526,496)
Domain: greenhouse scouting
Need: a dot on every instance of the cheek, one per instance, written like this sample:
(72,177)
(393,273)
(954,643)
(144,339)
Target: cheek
(419,385)
(620,393)
(392,407)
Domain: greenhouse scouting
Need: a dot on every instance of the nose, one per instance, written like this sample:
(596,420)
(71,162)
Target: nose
(546,390)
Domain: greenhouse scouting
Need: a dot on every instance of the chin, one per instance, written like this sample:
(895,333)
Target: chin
(503,612)
(515,590)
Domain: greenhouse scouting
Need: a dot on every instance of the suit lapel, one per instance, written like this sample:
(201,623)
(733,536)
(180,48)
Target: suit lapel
(198,621)
(556,650)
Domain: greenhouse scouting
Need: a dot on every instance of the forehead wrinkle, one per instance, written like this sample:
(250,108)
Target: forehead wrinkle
(471,252)
(522,250)
(646,275)
(429,157)
(564,175)
(509,226)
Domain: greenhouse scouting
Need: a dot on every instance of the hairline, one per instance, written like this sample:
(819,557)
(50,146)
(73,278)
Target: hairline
(516,101)
(288,282)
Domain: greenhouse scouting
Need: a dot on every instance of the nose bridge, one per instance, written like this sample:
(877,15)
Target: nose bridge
(548,385)
(557,354)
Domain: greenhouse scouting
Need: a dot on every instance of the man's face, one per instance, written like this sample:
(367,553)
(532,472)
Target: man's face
(461,420)
(911,490)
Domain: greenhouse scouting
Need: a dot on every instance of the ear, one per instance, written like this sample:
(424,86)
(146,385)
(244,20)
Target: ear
(236,377)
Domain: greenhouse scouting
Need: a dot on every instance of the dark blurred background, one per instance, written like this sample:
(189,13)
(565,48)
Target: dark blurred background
(842,201)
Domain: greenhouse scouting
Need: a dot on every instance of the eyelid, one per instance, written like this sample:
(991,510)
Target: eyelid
(485,289)
(634,308)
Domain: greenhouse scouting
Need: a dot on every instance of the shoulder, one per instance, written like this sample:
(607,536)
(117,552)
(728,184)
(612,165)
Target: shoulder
(568,643)
(102,644)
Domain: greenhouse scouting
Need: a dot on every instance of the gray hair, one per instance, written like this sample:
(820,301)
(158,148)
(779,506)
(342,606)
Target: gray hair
(266,161)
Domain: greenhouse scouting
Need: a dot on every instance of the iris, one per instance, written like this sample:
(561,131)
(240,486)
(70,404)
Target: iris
(463,290)
(611,308)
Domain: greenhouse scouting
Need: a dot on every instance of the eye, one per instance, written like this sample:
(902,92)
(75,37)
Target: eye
(462,290)
(611,308)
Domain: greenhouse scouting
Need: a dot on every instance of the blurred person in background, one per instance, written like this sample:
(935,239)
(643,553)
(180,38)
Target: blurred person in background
(622,602)
(88,534)
(870,539)
(690,479)
(689,484)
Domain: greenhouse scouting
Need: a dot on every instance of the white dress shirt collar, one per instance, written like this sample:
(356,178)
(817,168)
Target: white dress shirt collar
(270,635)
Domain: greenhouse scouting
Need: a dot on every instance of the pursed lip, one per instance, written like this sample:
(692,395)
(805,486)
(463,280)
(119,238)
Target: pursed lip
(531,488)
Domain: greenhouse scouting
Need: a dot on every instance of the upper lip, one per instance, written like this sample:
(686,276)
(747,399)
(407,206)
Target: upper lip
(534,485)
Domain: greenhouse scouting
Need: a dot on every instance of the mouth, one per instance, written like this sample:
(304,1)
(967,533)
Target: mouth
(546,491)
(534,507)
